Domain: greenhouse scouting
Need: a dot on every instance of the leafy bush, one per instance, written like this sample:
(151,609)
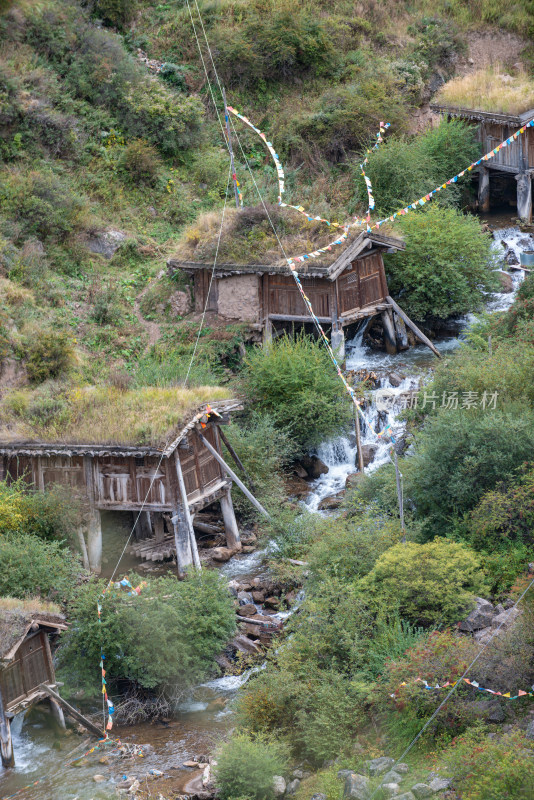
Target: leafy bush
(43,206)
(31,567)
(430,584)
(117,13)
(440,657)
(246,768)
(294,381)
(165,638)
(504,515)
(459,456)
(403,170)
(446,267)
(139,163)
(500,766)
(106,309)
(265,453)
(174,75)
(52,514)
(47,353)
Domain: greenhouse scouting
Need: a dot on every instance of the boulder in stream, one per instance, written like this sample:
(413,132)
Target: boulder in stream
(314,466)
(368,454)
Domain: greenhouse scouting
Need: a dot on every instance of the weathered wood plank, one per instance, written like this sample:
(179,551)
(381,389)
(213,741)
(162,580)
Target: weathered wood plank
(420,335)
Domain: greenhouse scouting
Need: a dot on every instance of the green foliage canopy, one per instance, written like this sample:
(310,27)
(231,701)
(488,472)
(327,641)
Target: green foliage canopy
(165,638)
(446,267)
(294,381)
(431,584)
(31,567)
(246,767)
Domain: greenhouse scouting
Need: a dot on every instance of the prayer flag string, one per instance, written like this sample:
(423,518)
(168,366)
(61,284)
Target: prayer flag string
(474,684)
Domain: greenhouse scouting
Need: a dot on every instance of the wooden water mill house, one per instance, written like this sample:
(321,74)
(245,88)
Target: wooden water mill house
(26,667)
(163,482)
(345,286)
(508,174)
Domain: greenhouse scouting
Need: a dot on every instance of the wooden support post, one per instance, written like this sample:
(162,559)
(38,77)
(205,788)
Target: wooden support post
(483,190)
(232,474)
(413,327)
(72,711)
(235,457)
(400,498)
(233,539)
(184,535)
(390,340)
(6,742)
(337,341)
(94,526)
(159,531)
(358,438)
(401,333)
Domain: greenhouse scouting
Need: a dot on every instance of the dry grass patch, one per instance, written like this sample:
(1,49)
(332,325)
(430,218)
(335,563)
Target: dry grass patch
(103,415)
(489,90)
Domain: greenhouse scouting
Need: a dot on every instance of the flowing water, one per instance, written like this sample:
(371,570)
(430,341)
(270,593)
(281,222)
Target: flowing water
(204,718)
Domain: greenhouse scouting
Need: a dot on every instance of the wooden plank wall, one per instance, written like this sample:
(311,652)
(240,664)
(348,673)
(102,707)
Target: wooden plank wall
(283,297)
(364,284)
(30,667)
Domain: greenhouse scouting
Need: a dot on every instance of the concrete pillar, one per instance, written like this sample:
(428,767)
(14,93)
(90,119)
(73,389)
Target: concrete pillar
(524,196)
(94,540)
(390,339)
(483,190)
(233,539)
(337,340)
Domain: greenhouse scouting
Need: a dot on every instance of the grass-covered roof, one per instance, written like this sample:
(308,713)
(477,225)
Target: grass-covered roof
(489,90)
(247,237)
(17,615)
(149,416)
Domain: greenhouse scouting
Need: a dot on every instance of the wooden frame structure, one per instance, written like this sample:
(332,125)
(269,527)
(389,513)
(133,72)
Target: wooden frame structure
(515,159)
(25,666)
(351,288)
(166,487)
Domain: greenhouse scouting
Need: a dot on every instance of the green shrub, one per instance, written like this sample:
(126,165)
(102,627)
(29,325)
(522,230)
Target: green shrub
(139,163)
(295,382)
(430,584)
(458,457)
(47,353)
(246,768)
(174,75)
(31,567)
(106,309)
(52,514)
(403,170)
(43,205)
(504,515)
(165,638)
(500,766)
(440,657)
(117,13)
(446,267)
(265,453)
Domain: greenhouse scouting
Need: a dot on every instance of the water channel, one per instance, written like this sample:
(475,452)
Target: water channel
(206,717)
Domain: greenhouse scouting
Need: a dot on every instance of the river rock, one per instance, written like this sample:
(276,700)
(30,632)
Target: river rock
(272,602)
(510,257)
(402,768)
(247,610)
(245,598)
(505,618)
(480,617)
(390,789)
(300,471)
(99,778)
(356,787)
(507,284)
(248,548)
(258,597)
(395,379)
(422,791)
(292,786)
(392,777)
(314,466)
(439,784)
(368,454)
(222,554)
(244,645)
(279,785)
(331,503)
(379,765)
(352,480)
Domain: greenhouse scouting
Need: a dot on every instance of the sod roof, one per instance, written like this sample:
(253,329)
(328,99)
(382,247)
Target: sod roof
(17,617)
(489,91)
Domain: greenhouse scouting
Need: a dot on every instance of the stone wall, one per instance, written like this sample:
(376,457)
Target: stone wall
(239,297)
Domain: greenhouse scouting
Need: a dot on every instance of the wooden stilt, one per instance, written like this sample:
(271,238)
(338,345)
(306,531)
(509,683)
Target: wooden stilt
(233,539)
(57,713)
(94,526)
(390,340)
(6,742)
(159,531)
(235,457)
(232,474)
(413,327)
